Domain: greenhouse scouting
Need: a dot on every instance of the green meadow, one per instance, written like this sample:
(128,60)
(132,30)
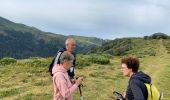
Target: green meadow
(28,79)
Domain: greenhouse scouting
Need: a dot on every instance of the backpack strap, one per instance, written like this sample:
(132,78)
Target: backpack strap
(151,89)
(55,60)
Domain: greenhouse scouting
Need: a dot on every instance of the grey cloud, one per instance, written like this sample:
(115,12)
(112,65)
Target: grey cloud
(100,18)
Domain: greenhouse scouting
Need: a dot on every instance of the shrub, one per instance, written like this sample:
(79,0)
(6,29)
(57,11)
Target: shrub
(39,62)
(87,60)
(82,61)
(107,56)
(159,36)
(99,59)
(7,61)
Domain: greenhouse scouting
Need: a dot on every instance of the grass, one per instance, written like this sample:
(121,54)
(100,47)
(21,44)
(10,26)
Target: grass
(29,79)
(10,92)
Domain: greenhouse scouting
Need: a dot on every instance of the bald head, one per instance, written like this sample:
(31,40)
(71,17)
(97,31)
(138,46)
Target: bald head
(70,44)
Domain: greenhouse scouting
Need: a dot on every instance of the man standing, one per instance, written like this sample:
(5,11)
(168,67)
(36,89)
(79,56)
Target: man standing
(70,45)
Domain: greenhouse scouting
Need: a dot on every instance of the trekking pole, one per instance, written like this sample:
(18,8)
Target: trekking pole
(80,90)
(81,95)
(118,96)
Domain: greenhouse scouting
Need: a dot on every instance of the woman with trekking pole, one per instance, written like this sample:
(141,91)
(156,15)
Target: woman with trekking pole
(63,87)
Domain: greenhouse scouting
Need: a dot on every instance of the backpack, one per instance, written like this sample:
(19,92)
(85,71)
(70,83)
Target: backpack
(50,67)
(153,93)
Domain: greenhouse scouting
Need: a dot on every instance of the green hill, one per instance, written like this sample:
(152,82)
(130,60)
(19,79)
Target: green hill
(132,46)
(21,41)
(28,79)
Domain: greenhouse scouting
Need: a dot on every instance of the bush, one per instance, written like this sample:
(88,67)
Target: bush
(82,61)
(99,59)
(7,61)
(152,53)
(117,47)
(87,60)
(107,56)
(159,36)
(139,55)
(39,62)
(146,37)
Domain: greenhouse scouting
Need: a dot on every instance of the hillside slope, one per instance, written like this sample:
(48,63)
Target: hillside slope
(29,80)
(21,41)
(130,46)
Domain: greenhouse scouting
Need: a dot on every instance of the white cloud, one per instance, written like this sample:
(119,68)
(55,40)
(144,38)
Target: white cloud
(100,18)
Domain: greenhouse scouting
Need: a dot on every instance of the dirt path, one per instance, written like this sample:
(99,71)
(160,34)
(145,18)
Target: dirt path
(158,67)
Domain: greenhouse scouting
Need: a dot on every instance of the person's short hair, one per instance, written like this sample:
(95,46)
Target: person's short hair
(131,63)
(68,40)
(66,56)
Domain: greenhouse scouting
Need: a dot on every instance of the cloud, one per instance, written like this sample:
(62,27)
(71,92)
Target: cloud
(99,18)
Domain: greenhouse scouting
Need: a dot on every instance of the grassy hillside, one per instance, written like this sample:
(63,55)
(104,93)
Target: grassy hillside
(21,41)
(88,40)
(29,80)
(139,47)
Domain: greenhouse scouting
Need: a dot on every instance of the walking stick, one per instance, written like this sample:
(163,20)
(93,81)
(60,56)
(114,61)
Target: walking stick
(118,96)
(81,95)
(80,90)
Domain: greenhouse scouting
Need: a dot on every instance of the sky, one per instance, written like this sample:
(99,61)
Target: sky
(106,19)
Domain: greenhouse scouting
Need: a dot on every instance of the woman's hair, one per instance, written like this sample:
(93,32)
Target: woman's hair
(66,56)
(131,63)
